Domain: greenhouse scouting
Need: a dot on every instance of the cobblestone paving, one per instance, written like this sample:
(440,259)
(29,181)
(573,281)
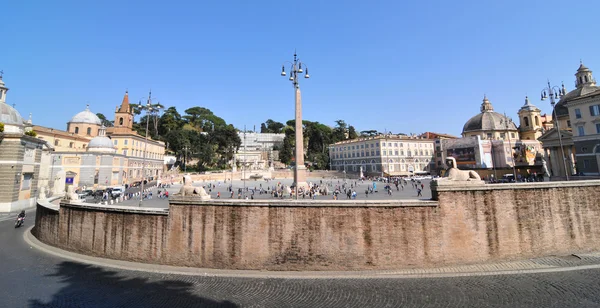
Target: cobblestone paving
(408,193)
(31,278)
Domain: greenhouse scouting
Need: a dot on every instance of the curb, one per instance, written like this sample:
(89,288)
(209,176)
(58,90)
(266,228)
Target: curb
(494,269)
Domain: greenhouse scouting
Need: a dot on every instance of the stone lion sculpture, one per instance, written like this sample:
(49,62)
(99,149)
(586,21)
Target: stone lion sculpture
(188,190)
(455,174)
(70,195)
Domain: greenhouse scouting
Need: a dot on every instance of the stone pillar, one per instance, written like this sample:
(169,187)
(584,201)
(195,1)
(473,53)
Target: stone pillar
(300,174)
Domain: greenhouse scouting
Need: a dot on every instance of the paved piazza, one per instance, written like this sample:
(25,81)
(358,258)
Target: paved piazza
(408,193)
(34,278)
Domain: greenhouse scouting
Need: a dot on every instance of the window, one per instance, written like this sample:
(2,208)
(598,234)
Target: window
(26,181)
(580,130)
(526,120)
(512,135)
(372,153)
(125,142)
(125,152)
(577,113)
(378,153)
(116,142)
(89,130)
(489,135)
(77,130)
(586,164)
(537,121)
(384,152)
(120,121)
(568,123)
(409,153)
(372,145)
(362,146)
(595,110)
(598,128)
(56,142)
(377,144)
(396,152)
(438,154)
(71,144)
(502,136)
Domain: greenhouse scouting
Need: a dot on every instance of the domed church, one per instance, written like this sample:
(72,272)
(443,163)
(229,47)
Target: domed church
(20,157)
(494,146)
(490,125)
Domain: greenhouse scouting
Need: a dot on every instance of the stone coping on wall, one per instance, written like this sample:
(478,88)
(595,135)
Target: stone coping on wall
(118,208)
(180,200)
(447,186)
(47,203)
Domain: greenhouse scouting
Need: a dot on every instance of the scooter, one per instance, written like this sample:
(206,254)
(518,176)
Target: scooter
(19,222)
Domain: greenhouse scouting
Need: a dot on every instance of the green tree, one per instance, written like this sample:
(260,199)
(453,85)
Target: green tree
(203,119)
(104,120)
(352,132)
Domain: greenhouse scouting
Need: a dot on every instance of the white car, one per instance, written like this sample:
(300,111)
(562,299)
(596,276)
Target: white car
(116,192)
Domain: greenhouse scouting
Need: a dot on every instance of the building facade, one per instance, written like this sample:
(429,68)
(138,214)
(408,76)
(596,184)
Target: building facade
(387,155)
(256,151)
(21,157)
(583,105)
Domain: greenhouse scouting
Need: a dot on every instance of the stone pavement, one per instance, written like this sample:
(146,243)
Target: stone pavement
(35,278)
(407,194)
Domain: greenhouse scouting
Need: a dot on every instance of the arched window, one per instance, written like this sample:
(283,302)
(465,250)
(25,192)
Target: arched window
(526,120)
(586,79)
(77,130)
(120,121)
(89,130)
(580,80)
(537,121)
(56,142)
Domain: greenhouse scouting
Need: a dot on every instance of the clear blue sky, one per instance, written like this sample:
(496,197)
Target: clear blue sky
(395,65)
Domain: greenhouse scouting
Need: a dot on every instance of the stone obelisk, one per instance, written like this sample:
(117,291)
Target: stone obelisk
(300,171)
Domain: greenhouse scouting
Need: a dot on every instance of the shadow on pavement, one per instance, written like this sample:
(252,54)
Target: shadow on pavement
(92,286)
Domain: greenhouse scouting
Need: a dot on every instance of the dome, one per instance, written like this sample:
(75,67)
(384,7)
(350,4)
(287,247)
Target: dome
(10,116)
(101,142)
(488,120)
(87,117)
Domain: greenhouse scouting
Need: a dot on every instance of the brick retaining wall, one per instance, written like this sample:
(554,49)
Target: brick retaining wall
(474,224)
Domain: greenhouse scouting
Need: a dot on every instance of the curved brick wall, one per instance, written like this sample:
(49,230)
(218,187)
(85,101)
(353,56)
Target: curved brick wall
(470,224)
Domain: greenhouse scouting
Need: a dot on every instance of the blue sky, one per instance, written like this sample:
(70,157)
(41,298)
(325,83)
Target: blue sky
(385,65)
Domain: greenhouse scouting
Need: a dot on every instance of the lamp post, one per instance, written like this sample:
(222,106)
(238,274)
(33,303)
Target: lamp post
(150,111)
(295,71)
(554,93)
(507,121)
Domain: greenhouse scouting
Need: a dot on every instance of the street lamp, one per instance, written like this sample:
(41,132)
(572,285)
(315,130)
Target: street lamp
(554,92)
(507,121)
(295,71)
(151,110)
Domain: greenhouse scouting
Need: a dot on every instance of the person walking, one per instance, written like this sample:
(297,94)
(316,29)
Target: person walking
(419,192)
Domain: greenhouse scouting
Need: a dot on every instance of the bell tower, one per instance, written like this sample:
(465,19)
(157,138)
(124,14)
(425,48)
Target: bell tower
(124,115)
(530,120)
(584,76)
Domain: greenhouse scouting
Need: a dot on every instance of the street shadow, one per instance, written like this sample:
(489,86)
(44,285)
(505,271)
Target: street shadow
(92,286)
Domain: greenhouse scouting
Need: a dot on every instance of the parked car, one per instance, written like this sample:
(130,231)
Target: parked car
(116,192)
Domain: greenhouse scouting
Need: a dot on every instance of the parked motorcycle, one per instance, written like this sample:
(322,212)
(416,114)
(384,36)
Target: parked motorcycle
(19,222)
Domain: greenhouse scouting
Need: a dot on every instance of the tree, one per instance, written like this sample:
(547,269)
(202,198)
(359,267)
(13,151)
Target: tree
(352,132)
(203,119)
(104,121)
(263,128)
(169,120)
(340,131)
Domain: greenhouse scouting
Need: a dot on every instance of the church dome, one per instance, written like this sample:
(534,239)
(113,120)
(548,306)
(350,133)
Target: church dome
(10,116)
(101,142)
(488,120)
(86,117)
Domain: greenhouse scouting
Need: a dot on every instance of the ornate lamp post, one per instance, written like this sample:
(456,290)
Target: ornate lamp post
(151,110)
(295,71)
(554,93)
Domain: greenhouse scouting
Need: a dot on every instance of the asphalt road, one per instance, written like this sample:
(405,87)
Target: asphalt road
(31,278)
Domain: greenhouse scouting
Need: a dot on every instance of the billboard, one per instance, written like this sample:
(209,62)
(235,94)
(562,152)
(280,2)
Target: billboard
(463,156)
